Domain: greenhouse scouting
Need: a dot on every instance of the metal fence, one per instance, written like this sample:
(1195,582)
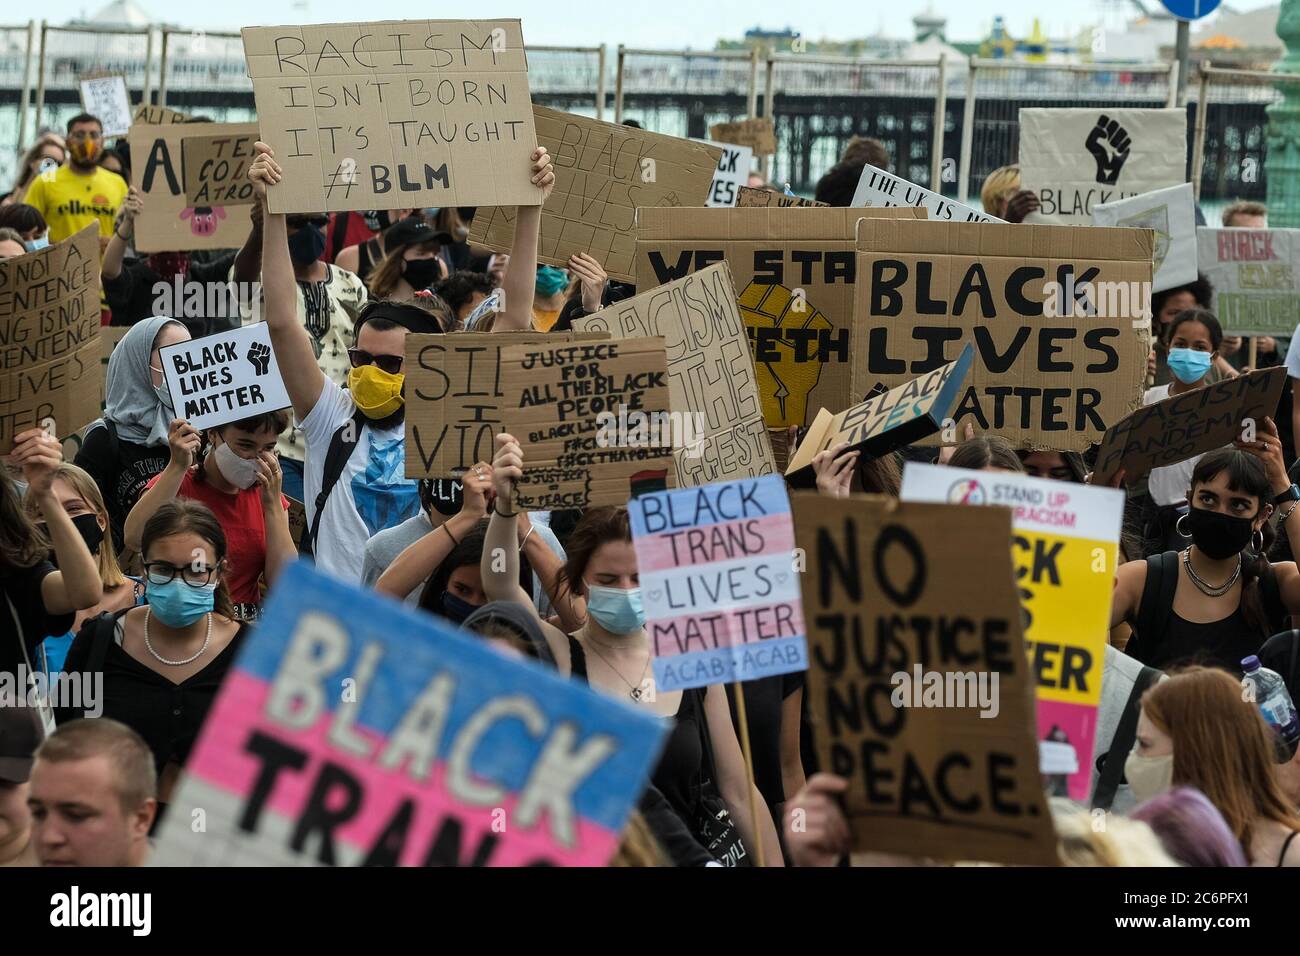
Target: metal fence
(946,123)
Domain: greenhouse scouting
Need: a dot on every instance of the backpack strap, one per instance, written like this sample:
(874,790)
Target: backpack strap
(102,636)
(341,222)
(342,444)
(1157,601)
(1112,764)
(1274,610)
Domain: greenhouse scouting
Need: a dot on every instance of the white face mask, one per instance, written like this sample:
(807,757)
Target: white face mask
(240,472)
(1149,776)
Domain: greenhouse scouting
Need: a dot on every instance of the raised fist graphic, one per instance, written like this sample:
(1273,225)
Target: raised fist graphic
(260,355)
(1109,144)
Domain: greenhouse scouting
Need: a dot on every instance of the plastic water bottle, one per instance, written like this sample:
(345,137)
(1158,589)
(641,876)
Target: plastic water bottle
(1274,702)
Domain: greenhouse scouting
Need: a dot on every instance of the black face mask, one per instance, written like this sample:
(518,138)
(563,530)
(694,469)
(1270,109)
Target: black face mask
(420,273)
(377,220)
(306,246)
(87,526)
(1219,536)
(448,496)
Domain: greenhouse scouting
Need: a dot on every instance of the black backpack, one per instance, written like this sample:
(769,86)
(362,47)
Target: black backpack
(342,444)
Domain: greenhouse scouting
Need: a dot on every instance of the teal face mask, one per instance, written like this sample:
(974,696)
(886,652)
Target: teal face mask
(1188,365)
(551,280)
(38,243)
(178,604)
(617,610)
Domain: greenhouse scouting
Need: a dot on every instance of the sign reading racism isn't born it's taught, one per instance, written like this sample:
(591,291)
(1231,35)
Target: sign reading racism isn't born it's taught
(918,690)
(1064,549)
(225,377)
(592,421)
(438,751)
(718,582)
(394,114)
(50,340)
(1059,317)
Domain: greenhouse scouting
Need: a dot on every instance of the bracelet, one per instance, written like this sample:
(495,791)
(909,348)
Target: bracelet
(496,510)
(444,527)
(118,233)
(1290,512)
(531,529)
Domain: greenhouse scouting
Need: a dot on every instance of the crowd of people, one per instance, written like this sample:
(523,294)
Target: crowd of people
(147,560)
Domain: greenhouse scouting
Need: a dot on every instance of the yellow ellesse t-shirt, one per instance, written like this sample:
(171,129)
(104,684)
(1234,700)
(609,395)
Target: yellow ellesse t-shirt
(70,202)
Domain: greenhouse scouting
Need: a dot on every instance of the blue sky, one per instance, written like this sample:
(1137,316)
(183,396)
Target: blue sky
(659,23)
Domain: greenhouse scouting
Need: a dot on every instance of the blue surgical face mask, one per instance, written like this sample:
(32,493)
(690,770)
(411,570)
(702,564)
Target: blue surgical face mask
(454,609)
(617,610)
(551,280)
(1188,365)
(38,243)
(178,604)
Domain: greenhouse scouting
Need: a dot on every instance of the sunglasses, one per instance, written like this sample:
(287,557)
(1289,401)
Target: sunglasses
(392,364)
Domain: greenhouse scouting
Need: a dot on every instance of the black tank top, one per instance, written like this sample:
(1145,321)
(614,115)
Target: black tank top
(367,257)
(1222,643)
(678,773)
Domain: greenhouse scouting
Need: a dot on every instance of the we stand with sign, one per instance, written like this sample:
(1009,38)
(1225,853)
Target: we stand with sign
(224,378)
(1064,548)
(354,732)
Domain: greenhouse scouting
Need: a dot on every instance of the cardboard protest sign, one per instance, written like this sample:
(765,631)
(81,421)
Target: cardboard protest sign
(879,188)
(1060,319)
(455,397)
(732,173)
(711,377)
(747,196)
(297,520)
(718,583)
(918,690)
(395,113)
(1076,158)
(216,169)
(1256,277)
(104,96)
(169,221)
(879,425)
(150,115)
(1171,215)
(445,752)
(794,271)
(1187,425)
(224,377)
(51,374)
(1065,551)
(603,173)
(757,133)
(592,420)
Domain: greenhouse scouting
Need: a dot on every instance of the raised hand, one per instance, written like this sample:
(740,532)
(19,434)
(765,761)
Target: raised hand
(507,467)
(593,277)
(1109,144)
(184,441)
(543,172)
(270,479)
(476,485)
(38,454)
(834,470)
(264,171)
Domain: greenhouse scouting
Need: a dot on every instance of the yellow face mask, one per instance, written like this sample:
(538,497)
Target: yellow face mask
(377,393)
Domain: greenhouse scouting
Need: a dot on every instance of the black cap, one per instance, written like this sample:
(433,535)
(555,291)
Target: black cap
(20,734)
(411,231)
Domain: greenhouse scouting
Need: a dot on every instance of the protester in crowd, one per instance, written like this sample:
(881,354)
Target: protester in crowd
(47,154)
(131,283)
(1003,198)
(20,735)
(1220,599)
(11,244)
(80,192)
(128,446)
(369,490)
(92,796)
(328,300)
(28,222)
(1196,730)
(837,186)
(1057,465)
(552,293)
(1165,307)
(612,654)
(232,469)
(39,601)
(354,240)
(1245,214)
(163,663)
(79,496)
(1121,842)
(1194,337)
(457,253)
(463,291)
(114,160)
(987,453)
(1190,828)
(1123,682)
(410,262)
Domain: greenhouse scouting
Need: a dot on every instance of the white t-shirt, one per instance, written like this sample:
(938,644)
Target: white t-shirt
(1168,484)
(372,492)
(1292,361)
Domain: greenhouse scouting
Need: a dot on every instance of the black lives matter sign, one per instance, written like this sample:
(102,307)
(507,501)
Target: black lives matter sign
(224,378)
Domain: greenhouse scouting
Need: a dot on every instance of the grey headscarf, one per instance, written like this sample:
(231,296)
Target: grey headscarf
(133,405)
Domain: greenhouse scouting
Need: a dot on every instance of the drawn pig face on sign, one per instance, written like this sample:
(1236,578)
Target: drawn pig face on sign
(203,219)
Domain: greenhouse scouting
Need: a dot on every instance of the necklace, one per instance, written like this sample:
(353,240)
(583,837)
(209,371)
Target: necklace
(189,660)
(1210,590)
(634,690)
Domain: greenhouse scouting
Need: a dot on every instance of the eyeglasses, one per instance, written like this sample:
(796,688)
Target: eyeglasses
(160,572)
(84,134)
(297,222)
(360,358)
